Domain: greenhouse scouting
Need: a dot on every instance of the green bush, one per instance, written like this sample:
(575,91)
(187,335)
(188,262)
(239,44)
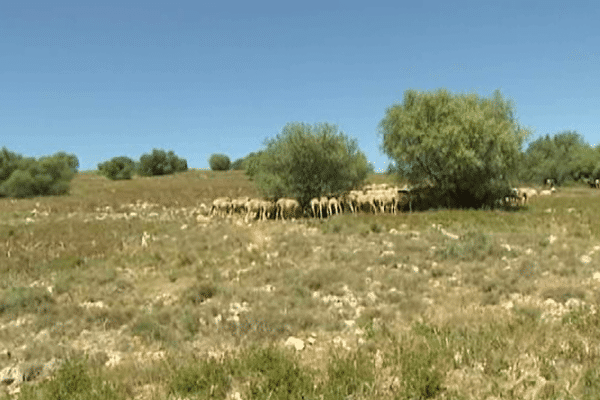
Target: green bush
(306,161)
(160,162)
(29,177)
(73,380)
(238,164)
(117,168)
(219,162)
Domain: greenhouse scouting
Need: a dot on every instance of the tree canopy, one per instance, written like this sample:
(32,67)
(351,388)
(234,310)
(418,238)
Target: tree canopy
(465,145)
(306,161)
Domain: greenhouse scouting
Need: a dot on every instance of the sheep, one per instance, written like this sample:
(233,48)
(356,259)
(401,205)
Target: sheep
(366,199)
(399,198)
(335,204)
(547,192)
(382,199)
(239,204)
(597,183)
(527,194)
(253,207)
(323,203)
(314,204)
(285,204)
(266,209)
(220,206)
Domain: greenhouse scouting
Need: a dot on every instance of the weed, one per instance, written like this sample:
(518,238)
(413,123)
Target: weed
(74,381)
(201,379)
(277,375)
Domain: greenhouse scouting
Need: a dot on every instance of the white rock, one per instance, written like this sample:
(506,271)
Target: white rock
(585,259)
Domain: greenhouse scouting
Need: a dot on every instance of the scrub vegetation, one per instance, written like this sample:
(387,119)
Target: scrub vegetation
(127,289)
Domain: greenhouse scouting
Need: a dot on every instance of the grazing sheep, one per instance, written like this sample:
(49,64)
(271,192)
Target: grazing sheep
(335,205)
(220,206)
(286,205)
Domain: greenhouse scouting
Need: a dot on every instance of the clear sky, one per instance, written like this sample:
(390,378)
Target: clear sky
(109,78)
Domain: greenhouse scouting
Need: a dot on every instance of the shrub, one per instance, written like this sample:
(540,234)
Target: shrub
(219,162)
(238,164)
(117,168)
(160,162)
(30,177)
(306,161)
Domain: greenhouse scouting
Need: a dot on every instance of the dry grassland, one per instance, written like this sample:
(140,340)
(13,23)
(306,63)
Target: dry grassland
(168,303)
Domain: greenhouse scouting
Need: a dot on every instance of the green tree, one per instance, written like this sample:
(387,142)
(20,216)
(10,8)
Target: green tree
(238,164)
(9,162)
(306,161)
(219,162)
(160,162)
(465,145)
(71,159)
(46,176)
(565,156)
(117,168)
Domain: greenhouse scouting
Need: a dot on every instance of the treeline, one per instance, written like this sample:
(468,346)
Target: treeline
(565,157)
(28,176)
(159,162)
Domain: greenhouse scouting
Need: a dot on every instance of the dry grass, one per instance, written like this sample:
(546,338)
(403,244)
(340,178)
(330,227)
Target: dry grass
(387,306)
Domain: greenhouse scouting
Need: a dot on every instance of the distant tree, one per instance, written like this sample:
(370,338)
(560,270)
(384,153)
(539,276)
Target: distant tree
(252,162)
(50,175)
(9,162)
(465,145)
(238,164)
(565,156)
(72,160)
(219,162)
(306,161)
(160,162)
(117,168)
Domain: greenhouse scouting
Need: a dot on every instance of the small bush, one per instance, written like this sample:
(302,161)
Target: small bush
(117,168)
(219,162)
(73,381)
(160,162)
(17,299)
(279,376)
(205,379)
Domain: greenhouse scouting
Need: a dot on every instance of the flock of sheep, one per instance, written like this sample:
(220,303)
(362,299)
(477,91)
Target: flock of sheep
(373,198)
(520,196)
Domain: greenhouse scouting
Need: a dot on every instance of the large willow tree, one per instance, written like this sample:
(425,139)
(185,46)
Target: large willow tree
(464,145)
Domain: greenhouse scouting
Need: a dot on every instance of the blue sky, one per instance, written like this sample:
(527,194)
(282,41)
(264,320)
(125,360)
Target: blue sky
(111,78)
